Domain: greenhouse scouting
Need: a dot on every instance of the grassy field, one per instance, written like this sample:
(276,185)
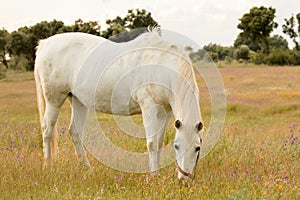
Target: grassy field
(257,156)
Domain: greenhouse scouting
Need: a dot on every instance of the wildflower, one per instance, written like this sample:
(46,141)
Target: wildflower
(292,142)
(247,171)
(258,180)
(35,183)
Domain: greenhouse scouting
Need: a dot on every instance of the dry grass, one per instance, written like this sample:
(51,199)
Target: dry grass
(257,157)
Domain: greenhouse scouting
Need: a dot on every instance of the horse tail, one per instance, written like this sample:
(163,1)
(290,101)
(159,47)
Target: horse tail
(39,89)
(41,98)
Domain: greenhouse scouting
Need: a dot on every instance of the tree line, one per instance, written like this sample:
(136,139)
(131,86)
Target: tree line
(17,49)
(253,44)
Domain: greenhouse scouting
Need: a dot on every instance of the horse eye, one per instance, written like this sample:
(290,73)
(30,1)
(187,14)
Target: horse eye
(199,126)
(197,149)
(178,124)
(176,146)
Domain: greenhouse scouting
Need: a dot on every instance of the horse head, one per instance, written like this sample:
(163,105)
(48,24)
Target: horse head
(187,146)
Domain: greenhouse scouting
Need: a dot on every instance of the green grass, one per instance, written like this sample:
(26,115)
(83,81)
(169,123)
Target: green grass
(257,156)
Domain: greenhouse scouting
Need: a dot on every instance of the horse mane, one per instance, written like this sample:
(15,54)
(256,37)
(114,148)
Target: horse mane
(153,38)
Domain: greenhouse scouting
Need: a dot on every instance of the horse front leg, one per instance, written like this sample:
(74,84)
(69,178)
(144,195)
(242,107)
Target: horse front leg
(155,121)
(154,154)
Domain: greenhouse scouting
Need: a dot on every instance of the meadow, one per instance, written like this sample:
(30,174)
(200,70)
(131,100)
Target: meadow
(256,157)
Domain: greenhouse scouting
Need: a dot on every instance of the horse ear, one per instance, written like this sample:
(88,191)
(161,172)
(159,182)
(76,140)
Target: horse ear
(178,124)
(199,126)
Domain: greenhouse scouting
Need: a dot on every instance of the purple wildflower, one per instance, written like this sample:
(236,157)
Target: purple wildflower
(258,180)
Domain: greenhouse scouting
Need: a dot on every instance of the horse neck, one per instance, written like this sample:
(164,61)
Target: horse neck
(185,102)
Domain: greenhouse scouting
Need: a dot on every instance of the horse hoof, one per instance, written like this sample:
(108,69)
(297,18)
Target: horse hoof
(47,164)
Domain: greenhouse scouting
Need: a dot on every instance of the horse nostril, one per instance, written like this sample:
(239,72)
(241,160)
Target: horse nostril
(176,146)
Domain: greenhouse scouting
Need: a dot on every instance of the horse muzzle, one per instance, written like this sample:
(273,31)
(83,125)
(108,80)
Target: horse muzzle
(183,174)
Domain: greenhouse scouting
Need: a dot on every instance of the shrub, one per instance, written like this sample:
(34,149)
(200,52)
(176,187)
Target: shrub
(211,57)
(295,57)
(256,58)
(228,60)
(279,57)
(242,53)
(2,71)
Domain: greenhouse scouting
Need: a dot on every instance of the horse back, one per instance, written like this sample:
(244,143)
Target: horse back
(58,58)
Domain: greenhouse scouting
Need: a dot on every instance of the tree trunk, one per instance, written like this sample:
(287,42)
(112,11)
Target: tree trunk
(266,47)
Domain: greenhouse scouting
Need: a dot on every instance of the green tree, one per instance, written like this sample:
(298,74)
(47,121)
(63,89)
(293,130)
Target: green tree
(115,27)
(129,27)
(139,18)
(17,45)
(252,44)
(3,47)
(278,42)
(289,28)
(258,24)
(91,27)
(219,51)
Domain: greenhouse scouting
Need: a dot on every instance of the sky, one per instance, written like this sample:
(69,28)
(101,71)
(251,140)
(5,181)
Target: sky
(202,21)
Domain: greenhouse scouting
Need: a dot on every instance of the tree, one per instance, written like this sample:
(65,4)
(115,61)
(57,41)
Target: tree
(91,27)
(258,24)
(219,51)
(115,27)
(278,42)
(129,27)
(17,45)
(3,47)
(139,19)
(289,29)
(252,44)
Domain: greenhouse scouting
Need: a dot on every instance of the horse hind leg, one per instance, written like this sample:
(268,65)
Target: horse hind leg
(79,115)
(48,133)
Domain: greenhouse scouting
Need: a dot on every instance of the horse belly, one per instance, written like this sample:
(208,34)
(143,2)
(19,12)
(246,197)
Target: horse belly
(117,104)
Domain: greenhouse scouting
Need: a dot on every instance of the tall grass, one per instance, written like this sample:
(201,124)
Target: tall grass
(257,156)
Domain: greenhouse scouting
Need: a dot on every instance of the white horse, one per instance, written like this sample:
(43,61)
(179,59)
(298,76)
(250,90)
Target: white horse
(154,93)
